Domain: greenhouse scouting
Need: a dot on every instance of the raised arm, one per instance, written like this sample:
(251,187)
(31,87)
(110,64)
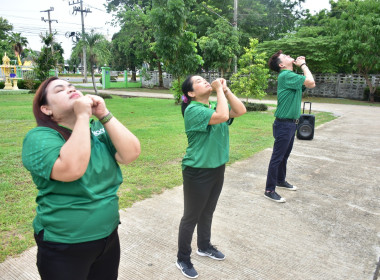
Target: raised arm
(126,143)
(309,81)
(237,107)
(75,153)
(222,112)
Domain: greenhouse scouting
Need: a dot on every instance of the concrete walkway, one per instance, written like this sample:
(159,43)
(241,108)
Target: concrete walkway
(327,230)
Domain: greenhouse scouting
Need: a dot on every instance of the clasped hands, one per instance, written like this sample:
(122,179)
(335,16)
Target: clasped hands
(219,83)
(299,61)
(90,105)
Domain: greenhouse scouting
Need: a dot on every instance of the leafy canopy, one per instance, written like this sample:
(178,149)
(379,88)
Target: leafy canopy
(252,78)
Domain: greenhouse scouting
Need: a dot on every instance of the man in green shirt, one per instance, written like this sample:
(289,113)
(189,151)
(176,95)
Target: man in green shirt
(289,95)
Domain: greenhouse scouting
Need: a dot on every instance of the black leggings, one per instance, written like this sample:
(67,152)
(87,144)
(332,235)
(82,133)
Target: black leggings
(93,260)
(201,189)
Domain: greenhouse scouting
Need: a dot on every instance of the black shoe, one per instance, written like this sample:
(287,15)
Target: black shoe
(274,196)
(211,252)
(187,268)
(287,186)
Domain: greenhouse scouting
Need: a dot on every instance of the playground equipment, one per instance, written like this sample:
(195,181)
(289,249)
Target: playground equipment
(10,77)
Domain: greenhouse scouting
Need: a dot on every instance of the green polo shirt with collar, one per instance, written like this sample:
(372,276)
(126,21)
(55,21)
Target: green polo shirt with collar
(208,145)
(289,95)
(83,210)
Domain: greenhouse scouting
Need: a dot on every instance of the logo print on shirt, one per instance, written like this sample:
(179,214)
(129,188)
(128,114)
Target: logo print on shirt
(98,132)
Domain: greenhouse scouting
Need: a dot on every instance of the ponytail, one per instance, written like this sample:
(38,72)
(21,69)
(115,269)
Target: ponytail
(187,86)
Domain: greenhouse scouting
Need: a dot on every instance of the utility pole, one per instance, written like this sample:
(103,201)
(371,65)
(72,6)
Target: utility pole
(235,27)
(49,20)
(80,9)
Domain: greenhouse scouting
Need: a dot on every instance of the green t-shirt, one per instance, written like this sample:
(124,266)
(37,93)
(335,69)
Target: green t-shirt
(83,210)
(208,145)
(289,95)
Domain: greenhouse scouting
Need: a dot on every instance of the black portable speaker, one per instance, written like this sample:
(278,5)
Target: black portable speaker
(306,123)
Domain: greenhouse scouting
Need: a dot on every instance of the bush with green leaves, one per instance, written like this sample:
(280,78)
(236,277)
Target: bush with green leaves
(252,78)
(256,107)
(176,90)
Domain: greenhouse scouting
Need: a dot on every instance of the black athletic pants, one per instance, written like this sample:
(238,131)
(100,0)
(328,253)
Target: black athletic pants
(201,190)
(93,260)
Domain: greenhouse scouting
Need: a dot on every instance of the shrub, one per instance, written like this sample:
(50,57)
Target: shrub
(256,107)
(176,90)
(29,84)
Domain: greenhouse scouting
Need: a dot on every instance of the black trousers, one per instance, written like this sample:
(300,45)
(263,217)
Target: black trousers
(201,190)
(93,260)
(283,133)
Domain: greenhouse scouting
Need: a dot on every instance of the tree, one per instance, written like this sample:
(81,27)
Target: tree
(219,46)
(5,29)
(174,45)
(97,48)
(357,30)
(262,19)
(18,43)
(131,45)
(252,78)
(46,59)
(60,51)
(319,50)
(267,19)
(75,58)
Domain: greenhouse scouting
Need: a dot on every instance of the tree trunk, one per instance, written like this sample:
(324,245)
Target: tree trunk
(372,88)
(133,78)
(93,80)
(160,80)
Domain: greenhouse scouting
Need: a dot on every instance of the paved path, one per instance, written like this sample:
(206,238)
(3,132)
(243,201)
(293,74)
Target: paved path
(328,230)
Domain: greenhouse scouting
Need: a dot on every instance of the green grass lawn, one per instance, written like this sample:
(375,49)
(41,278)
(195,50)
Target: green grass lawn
(158,124)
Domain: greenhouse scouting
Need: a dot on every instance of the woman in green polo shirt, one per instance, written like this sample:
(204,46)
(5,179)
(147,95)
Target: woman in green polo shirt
(73,161)
(206,125)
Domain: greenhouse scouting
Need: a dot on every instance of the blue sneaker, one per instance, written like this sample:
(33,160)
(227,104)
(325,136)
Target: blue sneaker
(285,185)
(187,268)
(211,252)
(274,196)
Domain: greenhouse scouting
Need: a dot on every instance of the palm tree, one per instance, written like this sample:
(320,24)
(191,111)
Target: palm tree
(97,51)
(18,43)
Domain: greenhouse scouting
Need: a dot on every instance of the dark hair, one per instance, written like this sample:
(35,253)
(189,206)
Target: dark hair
(42,119)
(274,61)
(187,86)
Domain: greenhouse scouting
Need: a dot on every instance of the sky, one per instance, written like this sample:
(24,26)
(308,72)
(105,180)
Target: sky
(25,16)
